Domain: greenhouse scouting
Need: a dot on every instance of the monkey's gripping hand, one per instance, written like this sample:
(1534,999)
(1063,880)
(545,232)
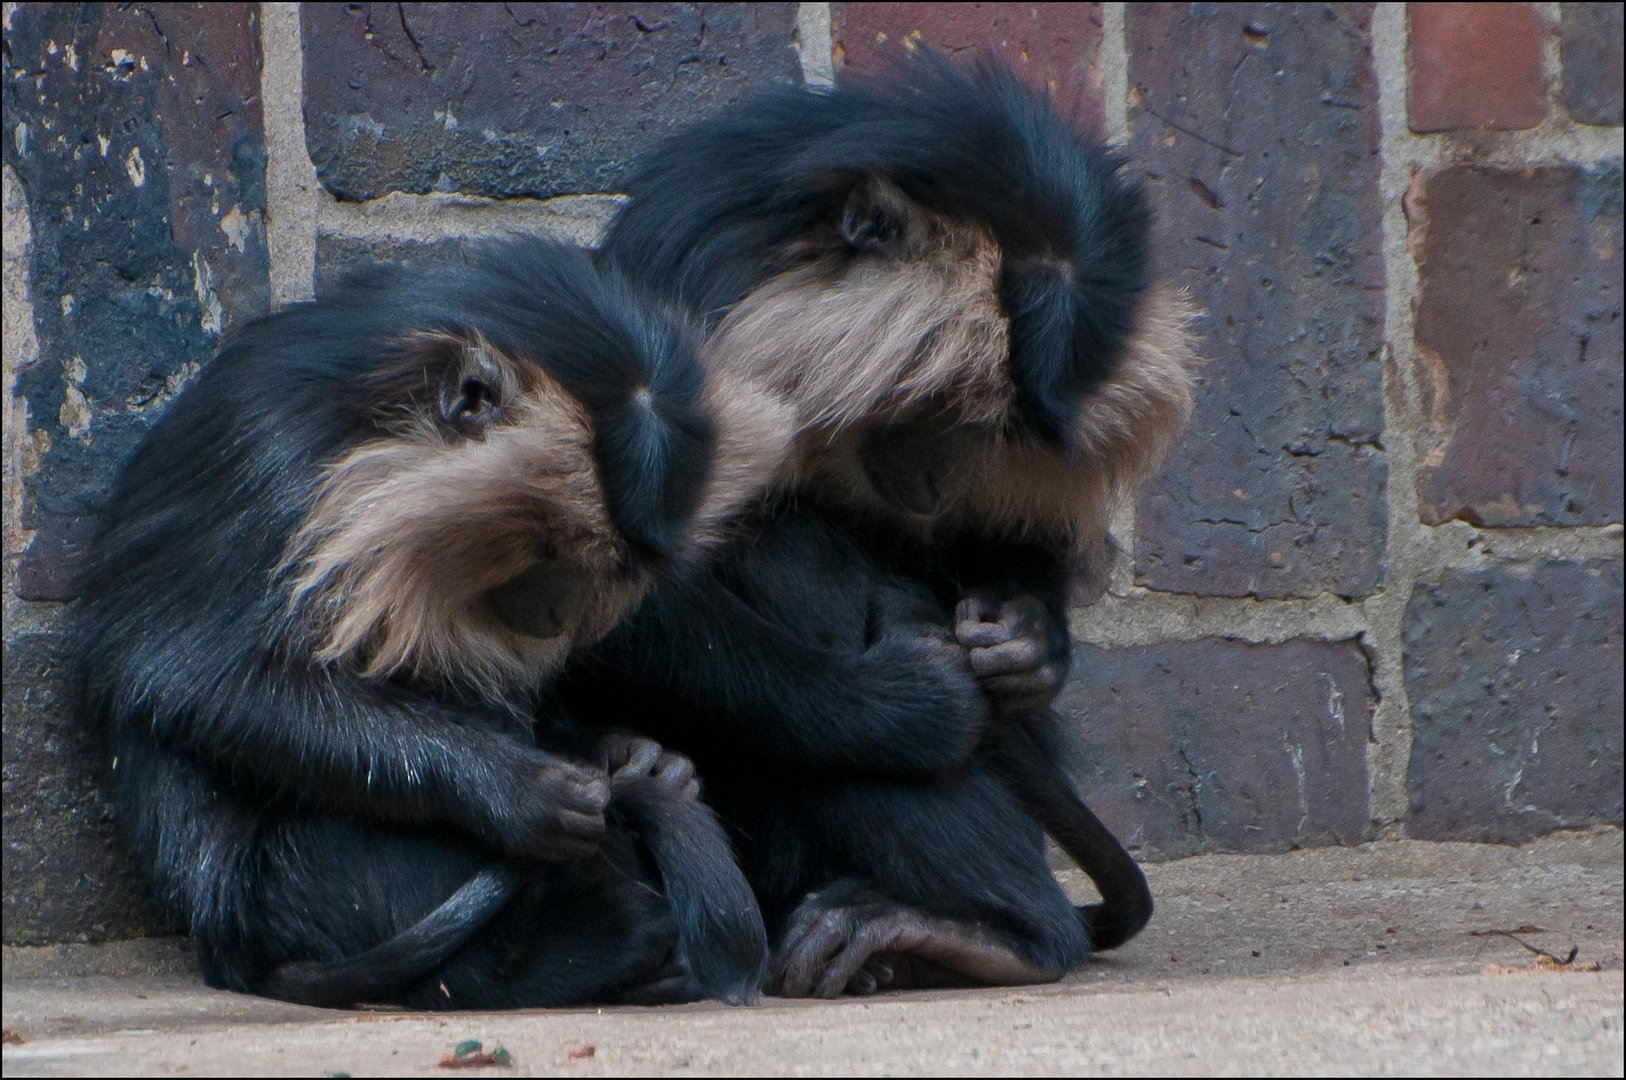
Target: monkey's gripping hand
(626,757)
(559,815)
(1018,648)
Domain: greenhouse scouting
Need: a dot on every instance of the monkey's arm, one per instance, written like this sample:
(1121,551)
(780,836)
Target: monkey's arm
(345,747)
(904,705)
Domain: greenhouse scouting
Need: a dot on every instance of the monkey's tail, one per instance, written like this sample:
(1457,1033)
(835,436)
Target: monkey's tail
(1030,764)
(375,975)
(720,929)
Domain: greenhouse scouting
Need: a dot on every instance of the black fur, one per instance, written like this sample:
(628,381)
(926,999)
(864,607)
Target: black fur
(296,815)
(814,674)
(712,208)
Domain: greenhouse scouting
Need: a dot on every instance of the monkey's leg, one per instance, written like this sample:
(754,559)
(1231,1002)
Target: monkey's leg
(952,875)
(851,938)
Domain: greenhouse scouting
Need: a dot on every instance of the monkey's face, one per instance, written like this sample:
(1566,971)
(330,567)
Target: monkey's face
(887,337)
(906,339)
(498,518)
(469,538)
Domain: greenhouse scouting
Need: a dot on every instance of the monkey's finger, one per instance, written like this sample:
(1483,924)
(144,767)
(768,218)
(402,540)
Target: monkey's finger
(643,756)
(846,965)
(863,984)
(975,635)
(880,971)
(796,928)
(977,606)
(675,770)
(800,970)
(691,790)
(1023,611)
(1022,654)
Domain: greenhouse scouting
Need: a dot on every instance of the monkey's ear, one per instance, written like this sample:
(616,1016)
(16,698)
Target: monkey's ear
(471,391)
(877,218)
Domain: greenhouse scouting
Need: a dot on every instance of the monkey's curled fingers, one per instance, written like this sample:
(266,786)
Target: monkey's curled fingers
(559,814)
(830,950)
(628,756)
(1016,648)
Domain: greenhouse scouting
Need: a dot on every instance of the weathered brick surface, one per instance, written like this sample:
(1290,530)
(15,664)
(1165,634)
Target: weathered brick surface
(135,133)
(1591,51)
(1476,66)
(1514,678)
(135,137)
(1224,746)
(65,874)
(1054,46)
(521,99)
(1257,128)
(1519,328)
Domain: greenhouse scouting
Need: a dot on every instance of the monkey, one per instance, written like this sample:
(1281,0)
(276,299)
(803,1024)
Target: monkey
(320,618)
(951,287)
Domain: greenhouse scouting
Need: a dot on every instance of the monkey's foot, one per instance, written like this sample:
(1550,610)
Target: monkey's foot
(853,940)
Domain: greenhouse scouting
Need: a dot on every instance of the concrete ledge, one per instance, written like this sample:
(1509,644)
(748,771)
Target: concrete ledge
(1358,960)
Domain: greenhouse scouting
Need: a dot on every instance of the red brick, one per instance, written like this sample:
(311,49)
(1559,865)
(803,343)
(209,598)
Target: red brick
(1476,66)
(521,99)
(1053,46)
(1591,50)
(1224,746)
(1515,688)
(1518,324)
(1257,129)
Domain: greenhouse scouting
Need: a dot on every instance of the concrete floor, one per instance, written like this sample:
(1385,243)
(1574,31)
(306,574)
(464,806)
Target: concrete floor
(1365,960)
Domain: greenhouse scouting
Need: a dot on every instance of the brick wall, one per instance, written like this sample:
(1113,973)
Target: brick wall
(1377,594)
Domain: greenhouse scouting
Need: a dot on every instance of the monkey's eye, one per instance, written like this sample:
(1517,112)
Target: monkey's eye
(468,403)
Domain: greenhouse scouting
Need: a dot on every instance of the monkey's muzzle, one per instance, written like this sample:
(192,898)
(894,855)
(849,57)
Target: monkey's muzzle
(542,602)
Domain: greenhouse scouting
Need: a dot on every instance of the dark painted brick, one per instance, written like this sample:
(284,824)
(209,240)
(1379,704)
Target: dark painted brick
(1476,66)
(65,873)
(135,133)
(1225,746)
(338,255)
(1515,685)
(1519,331)
(1591,51)
(521,99)
(1257,129)
(1054,46)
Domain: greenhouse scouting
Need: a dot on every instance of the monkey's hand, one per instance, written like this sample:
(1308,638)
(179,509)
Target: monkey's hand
(555,813)
(922,695)
(627,756)
(1017,648)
